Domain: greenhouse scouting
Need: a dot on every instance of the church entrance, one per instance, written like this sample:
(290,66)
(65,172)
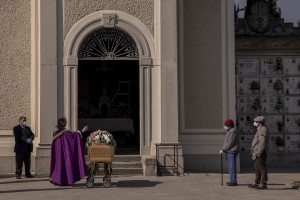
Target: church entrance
(108,87)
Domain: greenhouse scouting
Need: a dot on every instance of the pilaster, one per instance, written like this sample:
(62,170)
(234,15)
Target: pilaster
(47,81)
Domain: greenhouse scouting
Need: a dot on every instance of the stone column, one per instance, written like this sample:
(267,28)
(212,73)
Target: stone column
(47,81)
(167,70)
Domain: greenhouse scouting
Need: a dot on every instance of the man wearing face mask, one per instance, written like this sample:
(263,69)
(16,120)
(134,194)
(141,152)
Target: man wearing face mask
(231,148)
(259,154)
(23,147)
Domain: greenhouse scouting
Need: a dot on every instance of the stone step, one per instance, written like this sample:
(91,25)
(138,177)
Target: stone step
(123,171)
(127,171)
(125,165)
(127,158)
(124,158)
(122,165)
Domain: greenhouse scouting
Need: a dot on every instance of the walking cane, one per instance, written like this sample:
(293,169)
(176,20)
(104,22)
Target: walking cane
(221,169)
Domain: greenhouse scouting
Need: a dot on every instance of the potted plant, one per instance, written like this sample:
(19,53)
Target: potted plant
(280,143)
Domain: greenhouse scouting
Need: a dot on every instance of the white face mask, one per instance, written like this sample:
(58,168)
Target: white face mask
(255,124)
(226,128)
(24,123)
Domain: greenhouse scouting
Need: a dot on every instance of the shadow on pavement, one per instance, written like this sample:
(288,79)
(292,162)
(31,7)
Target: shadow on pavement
(124,184)
(270,186)
(36,190)
(137,183)
(272,170)
(24,181)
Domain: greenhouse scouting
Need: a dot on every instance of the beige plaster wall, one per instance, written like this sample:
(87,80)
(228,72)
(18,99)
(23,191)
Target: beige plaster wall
(76,9)
(14,62)
(202,64)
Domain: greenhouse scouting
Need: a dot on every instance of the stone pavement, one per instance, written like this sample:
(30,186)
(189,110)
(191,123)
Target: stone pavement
(193,186)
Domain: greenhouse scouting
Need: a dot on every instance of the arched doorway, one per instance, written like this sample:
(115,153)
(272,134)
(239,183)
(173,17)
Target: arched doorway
(145,44)
(108,86)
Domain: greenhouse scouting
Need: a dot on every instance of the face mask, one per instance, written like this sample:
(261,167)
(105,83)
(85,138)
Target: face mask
(24,123)
(226,128)
(255,124)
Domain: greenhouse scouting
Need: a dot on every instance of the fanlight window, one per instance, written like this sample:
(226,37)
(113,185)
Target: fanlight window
(108,44)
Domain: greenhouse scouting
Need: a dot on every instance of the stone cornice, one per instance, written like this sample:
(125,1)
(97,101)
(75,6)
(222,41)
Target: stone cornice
(267,43)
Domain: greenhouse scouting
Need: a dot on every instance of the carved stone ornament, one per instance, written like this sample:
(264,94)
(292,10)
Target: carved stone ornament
(109,20)
(259,20)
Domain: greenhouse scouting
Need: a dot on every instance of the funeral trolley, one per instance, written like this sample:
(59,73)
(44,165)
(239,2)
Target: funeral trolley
(99,153)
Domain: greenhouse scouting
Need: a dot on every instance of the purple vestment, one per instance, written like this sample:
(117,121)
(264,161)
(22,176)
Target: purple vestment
(67,157)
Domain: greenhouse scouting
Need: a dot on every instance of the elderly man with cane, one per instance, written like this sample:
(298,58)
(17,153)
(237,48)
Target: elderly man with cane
(231,149)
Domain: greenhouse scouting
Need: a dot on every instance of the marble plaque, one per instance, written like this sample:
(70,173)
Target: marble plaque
(271,66)
(291,66)
(292,143)
(292,104)
(245,124)
(271,85)
(275,123)
(250,104)
(244,85)
(247,66)
(291,85)
(292,124)
(272,104)
(272,143)
(245,142)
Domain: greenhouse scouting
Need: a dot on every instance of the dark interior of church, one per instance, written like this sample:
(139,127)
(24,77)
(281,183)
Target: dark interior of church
(108,99)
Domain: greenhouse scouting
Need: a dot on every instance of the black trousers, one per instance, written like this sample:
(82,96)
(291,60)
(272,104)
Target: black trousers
(260,166)
(20,158)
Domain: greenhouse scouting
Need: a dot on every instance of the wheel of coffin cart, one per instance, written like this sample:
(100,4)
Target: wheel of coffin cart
(107,177)
(90,181)
(107,181)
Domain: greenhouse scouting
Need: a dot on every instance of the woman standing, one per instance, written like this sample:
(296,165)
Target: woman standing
(231,149)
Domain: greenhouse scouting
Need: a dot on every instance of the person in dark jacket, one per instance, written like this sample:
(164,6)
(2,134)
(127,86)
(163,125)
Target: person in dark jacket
(231,149)
(23,147)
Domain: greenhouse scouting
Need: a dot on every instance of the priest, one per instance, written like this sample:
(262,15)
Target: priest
(67,155)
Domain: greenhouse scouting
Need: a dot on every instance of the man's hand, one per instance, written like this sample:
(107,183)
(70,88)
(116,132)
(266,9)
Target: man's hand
(29,141)
(221,151)
(85,128)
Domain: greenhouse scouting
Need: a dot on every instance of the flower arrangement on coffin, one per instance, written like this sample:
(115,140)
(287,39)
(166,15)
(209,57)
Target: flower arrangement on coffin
(100,137)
